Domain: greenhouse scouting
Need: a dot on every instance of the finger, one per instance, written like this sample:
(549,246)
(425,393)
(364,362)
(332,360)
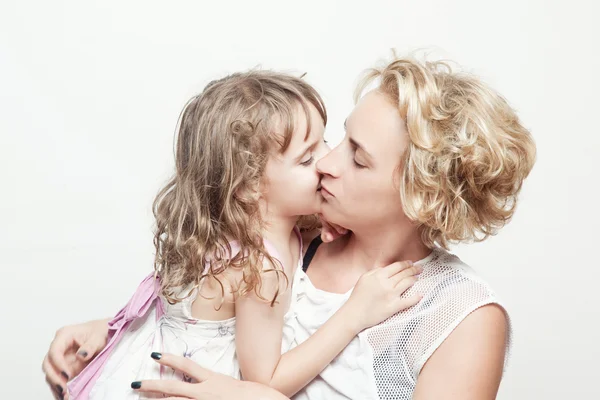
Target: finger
(394,268)
(57,390)
(89,348)
(340,229)
(405,284)
(56,355)
(52,389)
(415,270)
(183,364)
(52,375)
(168,387)
(75,364)
(177,398)
(408,302)
(330,232)
(327,232)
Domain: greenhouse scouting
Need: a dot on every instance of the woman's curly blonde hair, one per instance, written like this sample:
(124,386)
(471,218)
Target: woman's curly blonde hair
(225,136)
(468,153)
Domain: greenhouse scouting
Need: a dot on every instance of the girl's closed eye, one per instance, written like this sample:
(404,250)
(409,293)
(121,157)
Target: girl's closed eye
(308,161)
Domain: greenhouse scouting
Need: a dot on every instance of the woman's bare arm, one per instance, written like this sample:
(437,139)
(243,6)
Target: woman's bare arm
(468,364)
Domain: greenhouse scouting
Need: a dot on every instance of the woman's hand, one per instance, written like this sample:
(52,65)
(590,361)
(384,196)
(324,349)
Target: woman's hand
(377,294)
(71,350)
(209,385)
(331,231)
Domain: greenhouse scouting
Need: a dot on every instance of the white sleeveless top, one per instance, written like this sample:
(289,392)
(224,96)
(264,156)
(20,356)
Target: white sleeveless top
(211,344)
(383,362)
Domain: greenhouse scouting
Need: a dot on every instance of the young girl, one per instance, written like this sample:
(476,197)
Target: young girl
(227,249)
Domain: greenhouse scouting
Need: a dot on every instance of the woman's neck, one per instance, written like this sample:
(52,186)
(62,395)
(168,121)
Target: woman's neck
(385,246)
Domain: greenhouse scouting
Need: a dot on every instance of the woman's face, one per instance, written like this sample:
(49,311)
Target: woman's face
(360,176)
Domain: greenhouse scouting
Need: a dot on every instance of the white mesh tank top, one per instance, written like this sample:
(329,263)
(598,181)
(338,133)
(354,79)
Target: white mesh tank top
(383,362)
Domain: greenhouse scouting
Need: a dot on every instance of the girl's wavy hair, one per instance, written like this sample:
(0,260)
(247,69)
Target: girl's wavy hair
(468,153)
(225,136)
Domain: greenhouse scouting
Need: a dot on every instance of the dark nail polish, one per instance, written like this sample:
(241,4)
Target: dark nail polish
(63,373)
(59,389)
(156,356)
(83,353)
(136,385)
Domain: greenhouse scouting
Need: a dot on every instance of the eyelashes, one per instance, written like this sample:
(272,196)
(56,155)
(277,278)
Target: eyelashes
(360,166)
(308,162)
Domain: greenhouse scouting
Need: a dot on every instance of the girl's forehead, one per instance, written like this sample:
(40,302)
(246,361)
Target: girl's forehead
(297,129)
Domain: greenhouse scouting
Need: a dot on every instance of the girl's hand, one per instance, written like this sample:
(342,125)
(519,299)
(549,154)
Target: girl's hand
(331,231)
(377,295)
(71,350)
(208,386)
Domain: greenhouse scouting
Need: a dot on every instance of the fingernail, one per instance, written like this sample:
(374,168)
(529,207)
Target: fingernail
(83,353)
(59,388)
(156,355)
(63,373)
(136,385)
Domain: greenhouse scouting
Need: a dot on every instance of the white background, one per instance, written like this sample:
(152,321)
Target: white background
(90,93)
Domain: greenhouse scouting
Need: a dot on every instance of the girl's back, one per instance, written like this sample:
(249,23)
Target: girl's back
(195,328)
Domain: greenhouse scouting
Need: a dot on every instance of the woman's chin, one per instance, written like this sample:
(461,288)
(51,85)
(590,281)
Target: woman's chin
(330,214)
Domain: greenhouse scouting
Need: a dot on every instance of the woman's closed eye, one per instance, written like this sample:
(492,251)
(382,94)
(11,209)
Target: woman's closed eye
(358,165)
(356,155)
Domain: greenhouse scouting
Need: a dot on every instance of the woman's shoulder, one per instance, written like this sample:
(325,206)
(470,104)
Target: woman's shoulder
(451,291)
(446,272)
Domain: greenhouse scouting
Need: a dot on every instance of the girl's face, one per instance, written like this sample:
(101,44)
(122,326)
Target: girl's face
(360,176)
(291,179)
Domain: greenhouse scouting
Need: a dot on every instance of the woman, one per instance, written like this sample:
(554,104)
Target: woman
(430,157)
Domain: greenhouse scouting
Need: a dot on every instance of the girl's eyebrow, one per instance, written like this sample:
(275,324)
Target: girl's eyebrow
(309,147)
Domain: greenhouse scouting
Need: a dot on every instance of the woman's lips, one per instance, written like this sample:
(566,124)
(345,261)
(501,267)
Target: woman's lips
(325,192)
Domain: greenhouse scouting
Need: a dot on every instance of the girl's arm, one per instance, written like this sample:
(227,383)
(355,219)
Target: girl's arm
(259,326)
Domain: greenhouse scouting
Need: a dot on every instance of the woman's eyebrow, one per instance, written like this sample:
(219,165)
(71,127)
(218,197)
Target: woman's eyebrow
(357,145)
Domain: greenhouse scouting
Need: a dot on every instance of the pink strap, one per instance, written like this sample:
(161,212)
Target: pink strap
(297,230)
(270,247)
(141,301)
